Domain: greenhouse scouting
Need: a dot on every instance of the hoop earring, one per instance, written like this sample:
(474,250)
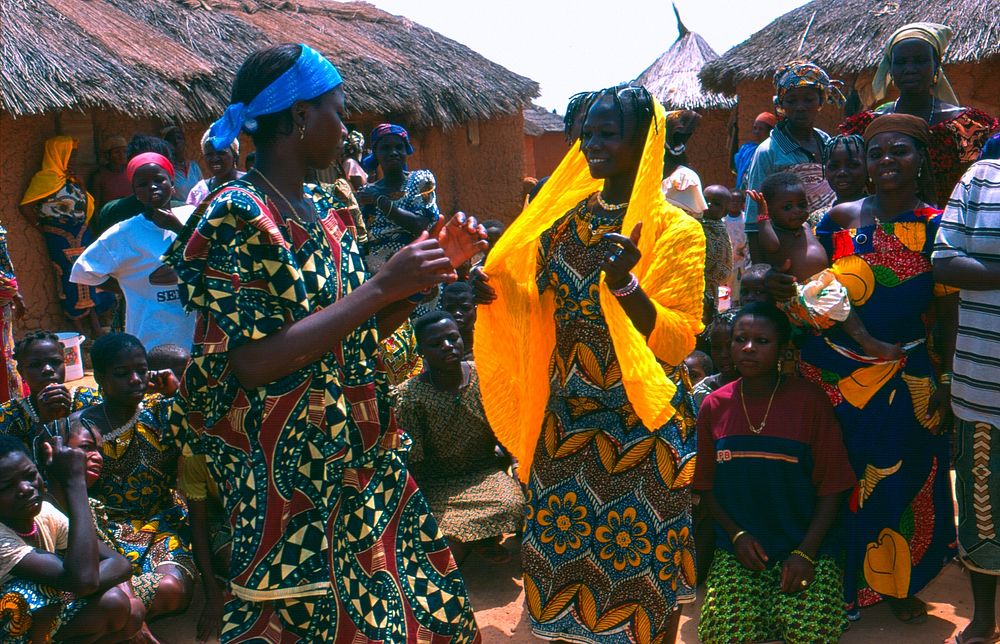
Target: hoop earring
(302,132)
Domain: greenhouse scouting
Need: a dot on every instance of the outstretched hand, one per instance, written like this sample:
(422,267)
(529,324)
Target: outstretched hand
(461,238)
(758,198)
(625,255)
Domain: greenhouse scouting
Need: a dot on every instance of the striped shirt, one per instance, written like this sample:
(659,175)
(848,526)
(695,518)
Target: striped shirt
(970,227)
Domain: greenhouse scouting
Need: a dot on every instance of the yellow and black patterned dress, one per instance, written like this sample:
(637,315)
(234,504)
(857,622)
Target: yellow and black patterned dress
(608,549)
(332,540)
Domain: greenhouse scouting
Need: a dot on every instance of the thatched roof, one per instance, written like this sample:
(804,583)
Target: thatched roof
(538,121)
(847,36)
(176,59)
(673,77)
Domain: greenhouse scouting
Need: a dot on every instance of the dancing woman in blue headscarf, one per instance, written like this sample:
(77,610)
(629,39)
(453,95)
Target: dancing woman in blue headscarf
(332,540)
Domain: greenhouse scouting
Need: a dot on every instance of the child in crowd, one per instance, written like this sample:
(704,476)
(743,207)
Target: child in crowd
(126,258)
(41,363)
(736,227)
(773,471)
(699,366)
(459,300)
(45,594)
(752,285)
(718,248)
(169,356)
(762,126)
(789,244)
(845,170)
(453,455)
(718,333)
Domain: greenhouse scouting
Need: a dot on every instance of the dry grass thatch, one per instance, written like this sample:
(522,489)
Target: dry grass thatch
(673,77)
(847,36)
(539,121)
(176,59)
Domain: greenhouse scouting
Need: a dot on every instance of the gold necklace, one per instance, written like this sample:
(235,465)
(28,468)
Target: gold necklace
(610,207)
(759,428)
(267,182)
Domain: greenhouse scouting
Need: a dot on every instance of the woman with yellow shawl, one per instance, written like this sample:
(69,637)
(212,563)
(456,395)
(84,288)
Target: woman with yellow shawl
(57,202)
(579,353)
(912,61)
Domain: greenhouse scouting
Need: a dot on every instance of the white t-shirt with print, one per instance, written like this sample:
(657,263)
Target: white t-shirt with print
(130,252)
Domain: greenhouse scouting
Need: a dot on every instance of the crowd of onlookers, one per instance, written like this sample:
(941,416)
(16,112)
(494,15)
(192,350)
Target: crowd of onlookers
(850,314)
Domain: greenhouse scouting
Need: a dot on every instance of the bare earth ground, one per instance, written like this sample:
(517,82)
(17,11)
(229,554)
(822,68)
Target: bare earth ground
(498,598)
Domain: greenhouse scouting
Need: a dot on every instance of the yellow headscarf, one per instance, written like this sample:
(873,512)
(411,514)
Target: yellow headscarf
(54,173)
(515,335)
(938,36)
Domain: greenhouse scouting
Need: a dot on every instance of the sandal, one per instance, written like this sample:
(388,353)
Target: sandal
(989,639)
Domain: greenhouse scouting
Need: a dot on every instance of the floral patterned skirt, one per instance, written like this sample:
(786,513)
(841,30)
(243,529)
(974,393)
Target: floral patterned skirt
(20,603)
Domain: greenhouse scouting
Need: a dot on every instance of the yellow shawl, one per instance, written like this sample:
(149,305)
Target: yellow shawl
(515,335)
(54,173)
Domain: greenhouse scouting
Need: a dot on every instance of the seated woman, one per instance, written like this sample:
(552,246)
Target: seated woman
(774,490)
(41,364)
(454,451)
(140,455)
(56,578)
(222,163)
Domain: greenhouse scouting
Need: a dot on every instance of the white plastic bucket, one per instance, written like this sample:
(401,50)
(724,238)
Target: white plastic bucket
(73,354)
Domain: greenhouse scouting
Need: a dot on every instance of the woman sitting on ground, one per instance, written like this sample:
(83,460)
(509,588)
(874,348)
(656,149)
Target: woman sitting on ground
(44,595)
(41,362)
(774,489)
(453,454)
(222,163)
(136,484)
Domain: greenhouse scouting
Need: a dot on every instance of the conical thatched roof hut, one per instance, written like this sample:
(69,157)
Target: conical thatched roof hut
(97,68)
(673,79)
(846,37)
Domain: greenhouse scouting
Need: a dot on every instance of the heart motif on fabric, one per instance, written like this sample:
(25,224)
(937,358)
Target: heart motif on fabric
(888,564)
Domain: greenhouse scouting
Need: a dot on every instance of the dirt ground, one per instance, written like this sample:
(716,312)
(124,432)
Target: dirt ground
(497,595)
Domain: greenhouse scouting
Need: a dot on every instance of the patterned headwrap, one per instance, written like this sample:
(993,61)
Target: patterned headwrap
(355,143)
(312,75)
(148,158)
(369,163)
(800,73)
(679,121)
(938,37)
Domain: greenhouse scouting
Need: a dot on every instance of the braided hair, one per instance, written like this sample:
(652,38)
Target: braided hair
(854,144)
(21,346)
(635,98)
(576,109)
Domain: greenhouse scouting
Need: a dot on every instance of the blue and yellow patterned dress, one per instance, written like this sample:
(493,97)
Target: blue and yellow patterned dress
(899,522)
(138,508)
(16,415)
(332,540)
(608,548)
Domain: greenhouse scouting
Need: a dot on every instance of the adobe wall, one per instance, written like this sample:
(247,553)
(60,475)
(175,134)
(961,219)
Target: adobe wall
(480,176)
(550,148)
(708,149)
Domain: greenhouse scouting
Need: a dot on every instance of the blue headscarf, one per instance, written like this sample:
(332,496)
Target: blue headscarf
(312,75)
(380,132)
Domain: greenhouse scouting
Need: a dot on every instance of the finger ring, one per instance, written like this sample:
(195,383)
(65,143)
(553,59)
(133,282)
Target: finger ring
(804,583)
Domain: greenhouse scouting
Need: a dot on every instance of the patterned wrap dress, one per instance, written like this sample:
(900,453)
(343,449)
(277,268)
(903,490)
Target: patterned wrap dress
(10,380)
(16,415)
(332,539)
(141,512)
(62,217)
(898,523)
(608,548)
(453,458)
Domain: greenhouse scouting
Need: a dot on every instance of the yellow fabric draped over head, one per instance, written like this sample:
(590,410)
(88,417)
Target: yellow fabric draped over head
(54,172)
(938,37)
(515,335)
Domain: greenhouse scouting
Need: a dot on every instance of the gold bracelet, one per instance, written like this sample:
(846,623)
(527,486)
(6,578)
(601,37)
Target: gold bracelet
(737,536)
(804,556)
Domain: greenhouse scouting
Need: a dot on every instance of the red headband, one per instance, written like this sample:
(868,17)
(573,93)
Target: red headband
(767,117)
(149,158)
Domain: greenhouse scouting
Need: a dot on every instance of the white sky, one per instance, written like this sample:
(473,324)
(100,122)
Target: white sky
(569,46)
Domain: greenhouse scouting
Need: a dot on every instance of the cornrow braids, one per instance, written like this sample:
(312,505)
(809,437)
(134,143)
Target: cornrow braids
(852,143)
(640,104)
(576,109)
(21,346)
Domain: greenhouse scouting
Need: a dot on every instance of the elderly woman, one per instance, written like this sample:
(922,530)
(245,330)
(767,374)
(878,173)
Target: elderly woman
(899,528)
(912,59)
(57,202)
(795,144)
(222,163)
(605,438)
